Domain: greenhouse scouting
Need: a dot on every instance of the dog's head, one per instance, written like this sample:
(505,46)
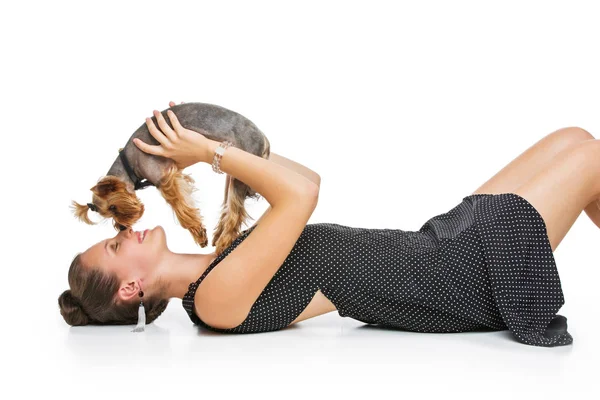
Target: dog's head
(111,199)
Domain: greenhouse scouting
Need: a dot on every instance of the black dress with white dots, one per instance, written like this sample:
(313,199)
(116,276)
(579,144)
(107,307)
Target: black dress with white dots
(486,264)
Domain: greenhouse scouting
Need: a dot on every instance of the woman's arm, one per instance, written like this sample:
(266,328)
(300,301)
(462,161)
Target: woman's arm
(286,162)
(297,167)
(294,166)
(230,291)
(279,185)
(275,182)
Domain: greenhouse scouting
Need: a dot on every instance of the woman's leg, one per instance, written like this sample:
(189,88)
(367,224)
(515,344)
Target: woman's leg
(560,192)
(537,158)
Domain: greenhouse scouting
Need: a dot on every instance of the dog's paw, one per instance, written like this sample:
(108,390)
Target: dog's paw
(199,235)
(222,243)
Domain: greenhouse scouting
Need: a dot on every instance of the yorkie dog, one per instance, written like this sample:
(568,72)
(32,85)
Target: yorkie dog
(114,194)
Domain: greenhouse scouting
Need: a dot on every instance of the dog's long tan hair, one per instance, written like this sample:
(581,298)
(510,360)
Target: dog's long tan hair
(177,189)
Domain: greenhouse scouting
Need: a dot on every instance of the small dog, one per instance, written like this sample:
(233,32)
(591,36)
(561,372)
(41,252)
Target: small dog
(114,194)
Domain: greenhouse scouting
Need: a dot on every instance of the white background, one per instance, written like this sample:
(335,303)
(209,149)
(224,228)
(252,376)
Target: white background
(403,108)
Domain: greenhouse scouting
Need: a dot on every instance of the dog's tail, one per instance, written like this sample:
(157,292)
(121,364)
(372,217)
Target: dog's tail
(81,212)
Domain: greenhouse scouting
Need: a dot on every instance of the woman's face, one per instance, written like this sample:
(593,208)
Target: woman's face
(130,254)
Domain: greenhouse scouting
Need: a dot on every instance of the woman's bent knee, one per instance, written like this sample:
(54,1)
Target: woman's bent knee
(586,158)
(574,134)
(588,148)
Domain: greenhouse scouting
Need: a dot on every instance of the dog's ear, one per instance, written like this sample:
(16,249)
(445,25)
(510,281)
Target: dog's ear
(103,188)
(106,186)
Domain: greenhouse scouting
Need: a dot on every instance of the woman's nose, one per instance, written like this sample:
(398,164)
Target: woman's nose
(127,232)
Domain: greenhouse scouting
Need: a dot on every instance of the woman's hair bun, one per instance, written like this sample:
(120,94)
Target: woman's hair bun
(71,309)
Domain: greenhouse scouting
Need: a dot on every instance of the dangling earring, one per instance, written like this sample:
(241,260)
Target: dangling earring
(141,316)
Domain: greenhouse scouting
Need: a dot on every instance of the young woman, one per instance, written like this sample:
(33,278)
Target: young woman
(487,264)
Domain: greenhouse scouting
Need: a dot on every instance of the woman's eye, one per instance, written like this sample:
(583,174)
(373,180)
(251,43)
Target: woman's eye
(115,246)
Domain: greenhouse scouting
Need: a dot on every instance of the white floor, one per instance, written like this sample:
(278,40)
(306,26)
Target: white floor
(324,356)
(327,355)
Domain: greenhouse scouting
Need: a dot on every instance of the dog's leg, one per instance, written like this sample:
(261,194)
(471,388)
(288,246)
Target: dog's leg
(233,214)
(224,210)
(219,229)
(177,188)
(227,183)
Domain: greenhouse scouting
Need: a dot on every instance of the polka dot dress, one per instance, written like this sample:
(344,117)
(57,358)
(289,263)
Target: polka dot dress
(484,265)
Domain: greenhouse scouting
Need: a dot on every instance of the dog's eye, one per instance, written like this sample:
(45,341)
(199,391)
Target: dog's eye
(112,208)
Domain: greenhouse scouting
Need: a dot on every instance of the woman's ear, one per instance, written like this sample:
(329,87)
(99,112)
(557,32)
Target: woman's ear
(128,292)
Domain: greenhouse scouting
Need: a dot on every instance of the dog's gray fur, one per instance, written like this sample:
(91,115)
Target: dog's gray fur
(214,122)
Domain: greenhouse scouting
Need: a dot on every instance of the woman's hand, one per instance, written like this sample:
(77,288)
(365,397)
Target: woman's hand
(184,146)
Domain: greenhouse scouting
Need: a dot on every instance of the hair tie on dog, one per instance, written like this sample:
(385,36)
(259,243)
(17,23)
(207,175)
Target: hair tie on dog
(92,207)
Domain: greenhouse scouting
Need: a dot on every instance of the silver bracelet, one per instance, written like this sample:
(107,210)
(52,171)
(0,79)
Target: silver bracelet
(218,154)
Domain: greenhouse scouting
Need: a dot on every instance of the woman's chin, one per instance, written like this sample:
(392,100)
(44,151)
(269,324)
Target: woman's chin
(158,229)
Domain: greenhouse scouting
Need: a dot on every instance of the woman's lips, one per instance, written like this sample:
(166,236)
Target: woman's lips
(142,236)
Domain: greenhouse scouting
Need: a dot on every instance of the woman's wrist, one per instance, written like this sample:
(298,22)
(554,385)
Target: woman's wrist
(209,151)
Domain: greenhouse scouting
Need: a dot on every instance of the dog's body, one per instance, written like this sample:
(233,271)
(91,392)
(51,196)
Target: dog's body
(114,195)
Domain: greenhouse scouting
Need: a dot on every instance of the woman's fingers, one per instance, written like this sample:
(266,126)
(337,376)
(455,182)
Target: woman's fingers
(164,127)
(146,148)
(174,121)
(156,134)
